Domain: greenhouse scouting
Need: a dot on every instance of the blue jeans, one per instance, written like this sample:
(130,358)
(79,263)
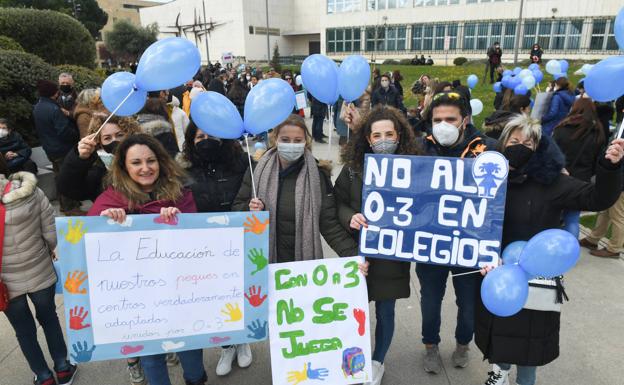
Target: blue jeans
(192,362)
(432,280)
(317,126)
(22,320)
(526,374)
(384,311)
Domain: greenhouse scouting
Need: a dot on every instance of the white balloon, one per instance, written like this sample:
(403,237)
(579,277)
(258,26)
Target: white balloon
(477,106)
(298,80)
(525,73)
(529,82)
(553,67)
(586,68)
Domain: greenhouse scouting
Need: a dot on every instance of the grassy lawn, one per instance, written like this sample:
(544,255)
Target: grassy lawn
(589,221)
(482,91)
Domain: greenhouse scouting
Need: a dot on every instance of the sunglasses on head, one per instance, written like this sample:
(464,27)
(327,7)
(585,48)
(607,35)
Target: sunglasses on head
(450,95)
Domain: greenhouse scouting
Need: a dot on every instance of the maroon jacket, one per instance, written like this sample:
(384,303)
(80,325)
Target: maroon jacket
(111,199)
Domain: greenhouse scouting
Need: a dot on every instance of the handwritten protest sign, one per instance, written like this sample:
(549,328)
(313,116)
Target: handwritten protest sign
(319,323)
(444,211)
(147,287)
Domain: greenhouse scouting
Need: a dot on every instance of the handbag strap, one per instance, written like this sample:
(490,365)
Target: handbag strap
(7,188)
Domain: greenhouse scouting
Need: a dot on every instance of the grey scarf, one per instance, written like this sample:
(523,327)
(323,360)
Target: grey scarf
(307,204)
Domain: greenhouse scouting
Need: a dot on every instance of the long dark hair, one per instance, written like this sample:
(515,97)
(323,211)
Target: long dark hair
(237,92)
(518,102)
(231,150)
(353,153)
(583,116)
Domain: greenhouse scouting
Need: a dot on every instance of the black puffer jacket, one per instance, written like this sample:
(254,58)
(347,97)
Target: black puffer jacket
(161,129)
(535,202)
(472,144)
(387,97)
(215,185)
(580,153)
(81,179)
(386,279)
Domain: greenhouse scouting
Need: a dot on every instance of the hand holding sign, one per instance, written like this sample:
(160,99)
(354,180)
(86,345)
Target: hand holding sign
(358,221)
(74,281)
(77,316)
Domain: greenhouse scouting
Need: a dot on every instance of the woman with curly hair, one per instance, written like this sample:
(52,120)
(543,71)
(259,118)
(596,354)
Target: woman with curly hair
(383,131)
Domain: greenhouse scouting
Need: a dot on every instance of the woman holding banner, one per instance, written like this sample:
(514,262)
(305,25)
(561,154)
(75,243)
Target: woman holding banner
(296,190)
(145,180)
(216,167)
(537,194)
(383,131)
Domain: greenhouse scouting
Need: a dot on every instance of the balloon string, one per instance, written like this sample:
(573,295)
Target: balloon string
(253,182)
(114,111)
(331,124)
(459,275)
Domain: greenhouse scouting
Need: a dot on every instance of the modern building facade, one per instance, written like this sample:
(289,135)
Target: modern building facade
(392,29)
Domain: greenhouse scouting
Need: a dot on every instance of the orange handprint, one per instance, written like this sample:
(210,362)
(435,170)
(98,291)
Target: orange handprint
(253,225)
(74,281)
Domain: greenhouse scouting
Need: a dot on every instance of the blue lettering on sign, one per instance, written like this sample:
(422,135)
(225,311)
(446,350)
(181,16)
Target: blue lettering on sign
(443,211)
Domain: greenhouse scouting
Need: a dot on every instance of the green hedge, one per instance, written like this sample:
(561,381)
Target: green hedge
(10,44)
(83,77)
(460,61)
(55,37)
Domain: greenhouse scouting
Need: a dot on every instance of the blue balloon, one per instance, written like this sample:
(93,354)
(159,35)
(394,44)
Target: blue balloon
(550,253)
(515,82)
(473,80)
(534,66)
(506,82)
(505,290)
(268,104)
(167,63)
(619,29)
(538,75)
(517,70)
(116,88)
(511,254)
(508,73)
(215,115)
(571,222)
(532,102)
(353,77)
(605,81)
(320,76)
(521,89)
(560,75)
(497,87)
(564,65)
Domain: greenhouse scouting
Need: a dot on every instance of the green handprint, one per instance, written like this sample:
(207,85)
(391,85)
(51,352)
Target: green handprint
(256,256)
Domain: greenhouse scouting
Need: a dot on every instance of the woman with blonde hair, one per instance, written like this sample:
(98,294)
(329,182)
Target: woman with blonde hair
(86,164)
(88,103)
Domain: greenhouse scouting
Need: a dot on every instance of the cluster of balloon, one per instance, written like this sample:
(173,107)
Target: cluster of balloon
(165,64)
(605,80)
(550,253)
(326,81)
(520,80)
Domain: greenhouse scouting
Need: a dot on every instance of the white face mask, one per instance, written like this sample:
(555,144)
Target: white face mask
(290,152)
(4,132)
(445,133)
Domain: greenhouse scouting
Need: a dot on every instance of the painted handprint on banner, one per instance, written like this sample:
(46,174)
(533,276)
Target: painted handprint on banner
(77,316)
(317,374)
(360,317)
(75,232)
(256,256)
(296,377)
(253,225)
(74,281)
(82,352)
(255,298)
(258,330)
(233,311)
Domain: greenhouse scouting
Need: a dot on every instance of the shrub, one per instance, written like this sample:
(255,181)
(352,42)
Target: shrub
(460,61)
(83,77)
(391,62)
(55,37)
(405,62)
(10,44)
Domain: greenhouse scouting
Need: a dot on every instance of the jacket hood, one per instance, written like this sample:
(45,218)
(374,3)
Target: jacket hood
(498,117)
(182,161)
(567,97)
(154,125)
(546,164)
(23,185)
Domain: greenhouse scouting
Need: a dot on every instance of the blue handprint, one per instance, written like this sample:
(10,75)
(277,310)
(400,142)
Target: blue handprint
(257,329)
(317,374)
(83,353)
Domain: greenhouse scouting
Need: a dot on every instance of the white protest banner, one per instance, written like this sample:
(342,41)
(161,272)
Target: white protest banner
(319,322)
(148,287)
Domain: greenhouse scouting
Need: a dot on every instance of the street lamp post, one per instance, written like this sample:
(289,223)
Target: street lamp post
(517,43)
(266,5)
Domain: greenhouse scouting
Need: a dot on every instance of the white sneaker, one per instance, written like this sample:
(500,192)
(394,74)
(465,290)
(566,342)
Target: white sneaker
(243,355)
(378,372)
(497,376)
(224,367)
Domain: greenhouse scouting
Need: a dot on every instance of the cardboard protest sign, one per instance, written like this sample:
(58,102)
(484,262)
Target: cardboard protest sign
(541,104)
(443,211)
(147,287)
(319,322)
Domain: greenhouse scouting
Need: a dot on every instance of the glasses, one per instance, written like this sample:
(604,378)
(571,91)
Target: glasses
(288,78)
(450,95)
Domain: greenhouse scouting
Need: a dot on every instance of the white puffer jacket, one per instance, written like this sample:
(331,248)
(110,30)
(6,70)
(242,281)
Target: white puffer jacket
(29,236)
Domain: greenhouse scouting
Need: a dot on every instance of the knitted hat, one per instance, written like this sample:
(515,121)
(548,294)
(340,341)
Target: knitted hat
(47,88)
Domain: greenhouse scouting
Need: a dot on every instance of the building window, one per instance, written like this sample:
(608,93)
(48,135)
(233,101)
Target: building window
(375,39)
(574,34)
(428,38)
(530,34)
(559,34)
(485,1)
(599,30)
(340,6)
(611,42)
(544,31)
(509,39)
(496,33)
(482,36)
(470,35)
(375,5)
(417,31)
(343,40)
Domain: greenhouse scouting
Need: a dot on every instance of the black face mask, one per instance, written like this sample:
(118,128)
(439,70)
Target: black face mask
(208,149)
(518,155)
(66,88)
(111,147)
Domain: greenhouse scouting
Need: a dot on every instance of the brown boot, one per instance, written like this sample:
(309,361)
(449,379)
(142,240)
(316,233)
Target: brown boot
(587,244)
(604,253)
